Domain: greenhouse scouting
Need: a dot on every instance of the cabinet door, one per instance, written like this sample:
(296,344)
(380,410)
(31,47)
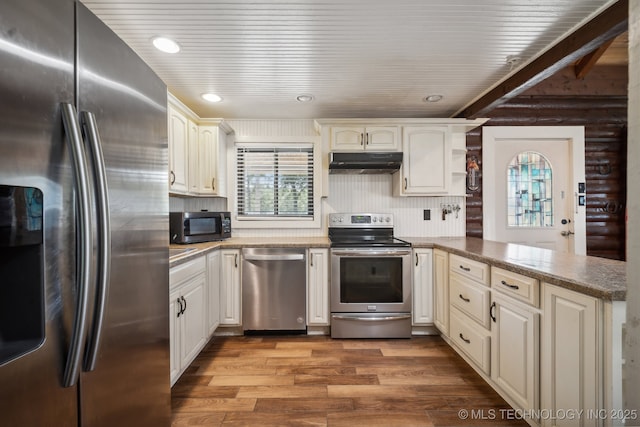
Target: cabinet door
(193,318)
(194,156)
(174,336)
(441,290)
(318,288)
(230,291)
(213,291)
(427,158)
(178,154)
(514,350)
(381,138)
(208,143)
(423,287)
(569,353)
(347,138)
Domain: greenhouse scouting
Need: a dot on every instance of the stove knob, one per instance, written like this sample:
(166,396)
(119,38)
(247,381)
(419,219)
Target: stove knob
(387,219)
(375,219)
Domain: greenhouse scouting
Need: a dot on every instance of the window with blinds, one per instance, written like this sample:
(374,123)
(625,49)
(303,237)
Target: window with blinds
(275,182)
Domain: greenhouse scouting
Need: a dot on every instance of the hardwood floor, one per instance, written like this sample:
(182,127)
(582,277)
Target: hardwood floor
(319,381)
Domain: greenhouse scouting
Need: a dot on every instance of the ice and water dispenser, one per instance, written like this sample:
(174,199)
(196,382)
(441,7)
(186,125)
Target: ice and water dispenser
(22,316)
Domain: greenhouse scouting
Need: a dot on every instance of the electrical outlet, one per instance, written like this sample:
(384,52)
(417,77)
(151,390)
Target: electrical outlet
(427,214)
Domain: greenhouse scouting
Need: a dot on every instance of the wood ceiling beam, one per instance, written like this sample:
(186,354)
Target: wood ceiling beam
(586,63)
(606,26)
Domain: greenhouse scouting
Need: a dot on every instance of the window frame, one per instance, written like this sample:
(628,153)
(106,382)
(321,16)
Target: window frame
(265,222)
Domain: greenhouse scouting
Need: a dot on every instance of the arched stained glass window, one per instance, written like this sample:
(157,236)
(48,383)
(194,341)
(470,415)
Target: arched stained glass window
(529,196)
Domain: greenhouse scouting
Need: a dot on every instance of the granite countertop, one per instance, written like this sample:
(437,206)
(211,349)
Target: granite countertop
(199,249)
(599,277)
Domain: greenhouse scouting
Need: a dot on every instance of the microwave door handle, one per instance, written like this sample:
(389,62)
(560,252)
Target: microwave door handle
(221,224)
(85,243)
(104,238)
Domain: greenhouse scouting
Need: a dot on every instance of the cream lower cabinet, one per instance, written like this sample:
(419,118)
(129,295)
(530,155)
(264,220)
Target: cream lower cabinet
(213,291)
(514,350)
(230,288)
(187,313)
(318,287)
(422,313)
(441,290)
(469,298)
(515,336)
(571,361)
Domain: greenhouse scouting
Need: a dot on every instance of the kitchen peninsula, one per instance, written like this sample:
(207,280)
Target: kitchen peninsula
(599,277)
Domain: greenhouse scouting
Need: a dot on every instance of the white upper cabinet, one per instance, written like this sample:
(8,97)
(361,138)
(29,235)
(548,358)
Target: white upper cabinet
(197,153)
(358,138)
(178,151)
(212,162)
(426,166)
(194,155)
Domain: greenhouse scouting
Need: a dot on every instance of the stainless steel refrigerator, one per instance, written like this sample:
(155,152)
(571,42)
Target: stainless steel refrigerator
(84,330)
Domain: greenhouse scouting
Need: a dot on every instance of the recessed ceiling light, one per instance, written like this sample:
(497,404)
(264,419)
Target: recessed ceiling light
(211,97)
(166,45)
(433,98)
(304,98)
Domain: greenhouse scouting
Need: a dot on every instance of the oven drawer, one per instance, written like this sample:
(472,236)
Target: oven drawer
(516,285)
(371,325)
(469,268)
(470,298)
(474,341)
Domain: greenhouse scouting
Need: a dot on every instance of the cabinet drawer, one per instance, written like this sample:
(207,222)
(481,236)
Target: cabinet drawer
(474,341)
(471,298)
(476,270)
(516,285)
(182,272)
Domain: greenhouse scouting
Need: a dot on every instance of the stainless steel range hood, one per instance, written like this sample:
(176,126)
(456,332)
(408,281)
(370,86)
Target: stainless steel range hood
(364,163)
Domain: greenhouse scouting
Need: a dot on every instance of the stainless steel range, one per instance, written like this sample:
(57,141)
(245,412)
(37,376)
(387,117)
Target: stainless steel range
(370,277)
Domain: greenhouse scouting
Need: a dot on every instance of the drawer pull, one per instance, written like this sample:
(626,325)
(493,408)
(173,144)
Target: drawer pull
(465,268)
(463,298)
(491,311)
(464,339)
(508,285)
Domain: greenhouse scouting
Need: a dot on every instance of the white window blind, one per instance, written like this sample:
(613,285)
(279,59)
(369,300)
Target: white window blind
(275,182)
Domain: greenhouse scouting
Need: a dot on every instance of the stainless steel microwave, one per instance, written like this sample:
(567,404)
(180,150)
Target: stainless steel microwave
(197,227)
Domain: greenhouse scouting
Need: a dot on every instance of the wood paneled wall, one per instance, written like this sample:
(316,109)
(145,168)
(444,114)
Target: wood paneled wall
(599,103)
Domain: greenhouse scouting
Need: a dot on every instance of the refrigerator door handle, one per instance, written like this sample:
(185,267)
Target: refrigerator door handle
(85,243)
(90,128)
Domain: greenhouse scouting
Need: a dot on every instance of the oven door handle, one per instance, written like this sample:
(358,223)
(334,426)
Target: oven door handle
(374,252)
(372,319)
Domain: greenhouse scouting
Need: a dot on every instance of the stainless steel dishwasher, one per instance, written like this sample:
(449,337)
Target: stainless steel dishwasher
(274,283)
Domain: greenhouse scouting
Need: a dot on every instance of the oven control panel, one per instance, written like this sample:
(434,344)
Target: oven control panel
(368,220)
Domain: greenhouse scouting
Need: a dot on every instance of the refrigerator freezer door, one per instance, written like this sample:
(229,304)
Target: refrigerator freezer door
(131,377)
(37,57)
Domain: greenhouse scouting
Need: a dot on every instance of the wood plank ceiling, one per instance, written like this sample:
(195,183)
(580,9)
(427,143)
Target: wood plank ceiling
(358,58)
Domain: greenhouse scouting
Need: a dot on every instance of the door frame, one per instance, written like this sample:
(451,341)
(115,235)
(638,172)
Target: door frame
(575,137)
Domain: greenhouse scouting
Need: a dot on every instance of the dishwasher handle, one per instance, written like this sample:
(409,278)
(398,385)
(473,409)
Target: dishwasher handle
(283,257)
